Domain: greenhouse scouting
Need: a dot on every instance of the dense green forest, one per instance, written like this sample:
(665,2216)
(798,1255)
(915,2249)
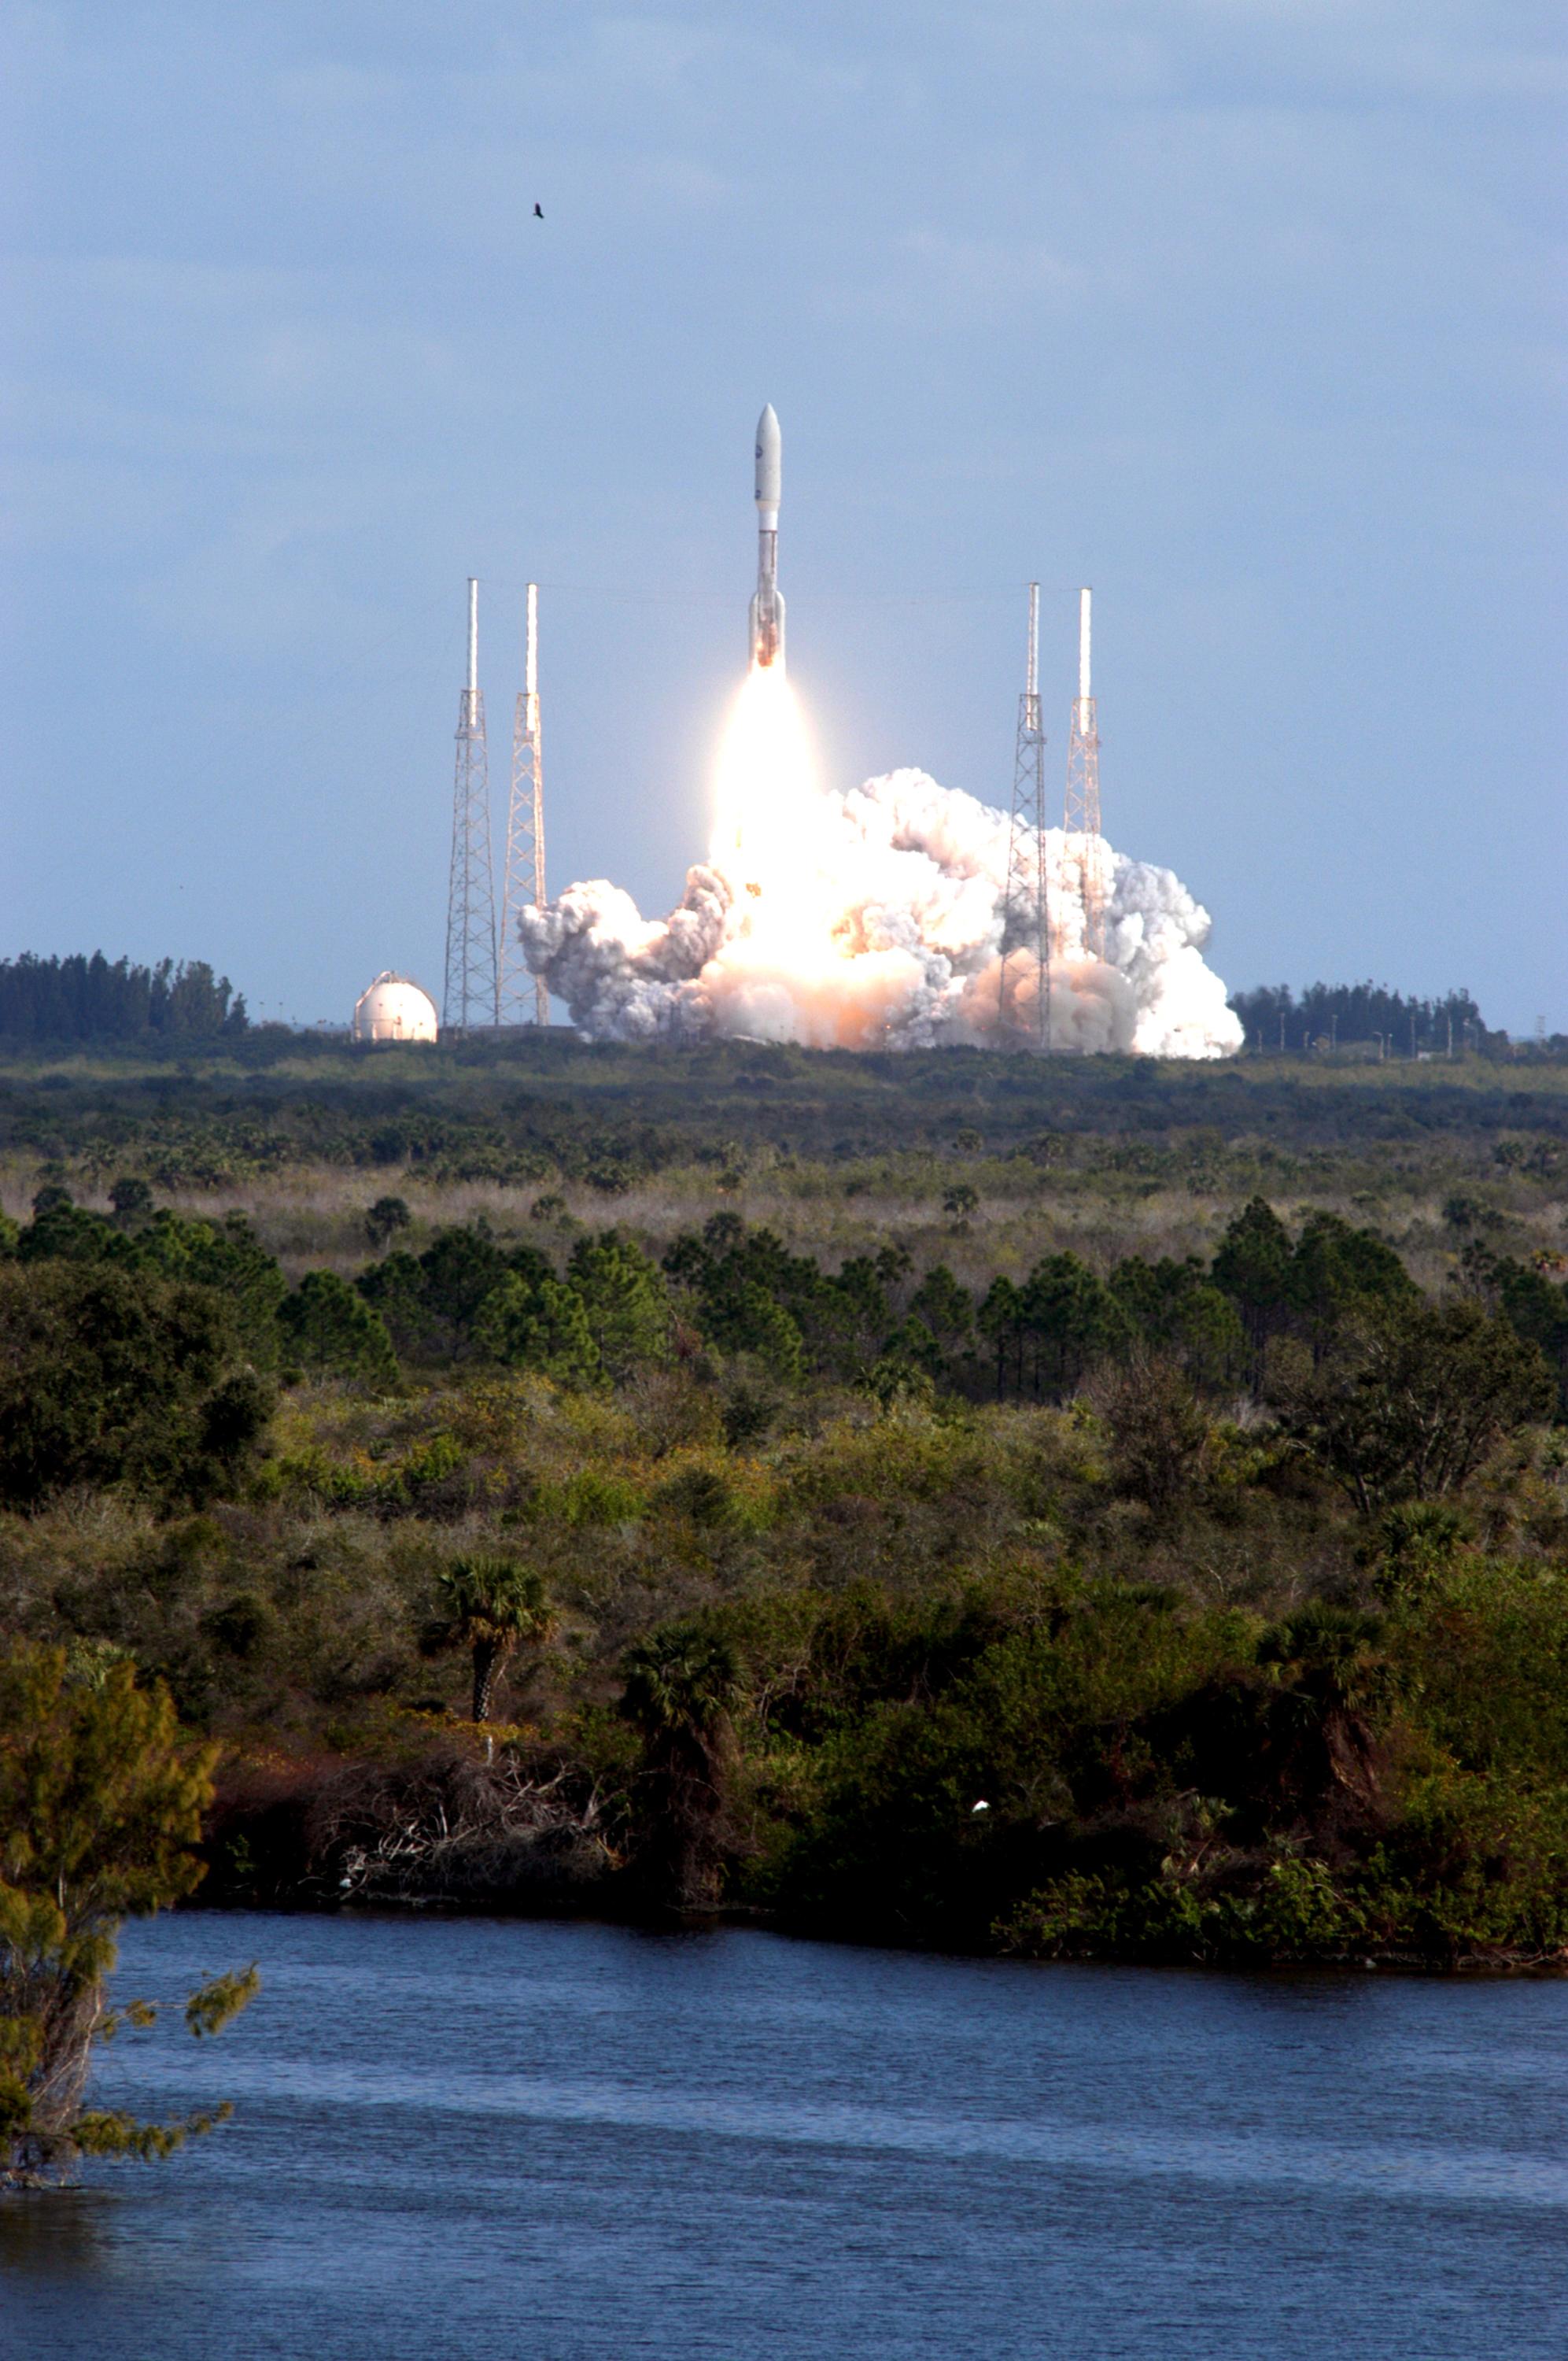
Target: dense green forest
(82,999)
(1329,1016)
(1107,1509)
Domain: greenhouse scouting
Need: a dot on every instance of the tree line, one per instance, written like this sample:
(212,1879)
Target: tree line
(82,999)
(144,1346)
(78,998)
(1276,1018)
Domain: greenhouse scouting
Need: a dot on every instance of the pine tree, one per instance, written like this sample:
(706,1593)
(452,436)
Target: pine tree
(101,1802)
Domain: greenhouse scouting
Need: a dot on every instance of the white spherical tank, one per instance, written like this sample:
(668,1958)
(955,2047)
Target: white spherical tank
(394,1008)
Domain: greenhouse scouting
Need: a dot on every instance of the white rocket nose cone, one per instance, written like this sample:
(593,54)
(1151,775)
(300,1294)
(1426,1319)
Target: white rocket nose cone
(770,459)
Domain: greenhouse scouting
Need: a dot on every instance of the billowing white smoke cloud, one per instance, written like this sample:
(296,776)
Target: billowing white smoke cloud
(888,935)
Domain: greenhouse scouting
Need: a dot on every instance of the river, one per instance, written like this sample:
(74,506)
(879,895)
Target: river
(484,2139)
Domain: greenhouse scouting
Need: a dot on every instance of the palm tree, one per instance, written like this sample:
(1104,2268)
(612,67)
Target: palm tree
(682,1683)
(493,1606)
(1333,1678)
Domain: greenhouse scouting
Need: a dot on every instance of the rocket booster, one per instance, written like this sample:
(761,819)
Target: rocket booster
(768,606)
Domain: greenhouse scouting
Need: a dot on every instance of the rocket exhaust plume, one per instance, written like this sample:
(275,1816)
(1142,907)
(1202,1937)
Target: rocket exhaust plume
(871,918)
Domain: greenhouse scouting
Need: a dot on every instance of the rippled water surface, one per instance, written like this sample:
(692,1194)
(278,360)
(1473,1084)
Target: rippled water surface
(575,2143)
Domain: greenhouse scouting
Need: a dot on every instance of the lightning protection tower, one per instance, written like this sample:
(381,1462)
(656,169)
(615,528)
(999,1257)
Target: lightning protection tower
(1023,1021)
(1083,817)
(469,998)
(524,999)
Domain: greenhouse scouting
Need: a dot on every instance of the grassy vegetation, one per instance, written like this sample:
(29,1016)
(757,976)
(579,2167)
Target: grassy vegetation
(1168,1461)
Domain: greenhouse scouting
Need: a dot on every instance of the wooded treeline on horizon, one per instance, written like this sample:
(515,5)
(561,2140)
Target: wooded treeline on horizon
(82,999)
(77,998)
(1340,1014)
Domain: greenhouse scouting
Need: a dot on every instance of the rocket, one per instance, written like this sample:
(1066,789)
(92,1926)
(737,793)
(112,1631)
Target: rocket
(768,606)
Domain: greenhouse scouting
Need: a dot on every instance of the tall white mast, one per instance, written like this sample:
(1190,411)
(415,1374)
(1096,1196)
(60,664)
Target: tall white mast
(469,995)
(1024,1015)
(523,998)
(1082,813)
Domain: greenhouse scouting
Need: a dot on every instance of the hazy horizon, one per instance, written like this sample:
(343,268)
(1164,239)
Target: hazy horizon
(1249,316)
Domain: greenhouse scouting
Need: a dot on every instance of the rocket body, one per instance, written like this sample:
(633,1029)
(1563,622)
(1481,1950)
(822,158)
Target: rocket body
(767,621)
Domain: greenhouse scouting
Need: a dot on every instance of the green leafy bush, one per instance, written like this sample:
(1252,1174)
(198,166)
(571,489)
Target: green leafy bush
(111,1376)
(328,1328)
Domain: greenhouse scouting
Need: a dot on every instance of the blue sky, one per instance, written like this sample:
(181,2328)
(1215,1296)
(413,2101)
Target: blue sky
(1247,312)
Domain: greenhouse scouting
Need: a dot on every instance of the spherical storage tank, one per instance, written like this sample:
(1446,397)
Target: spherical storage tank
(394,1008)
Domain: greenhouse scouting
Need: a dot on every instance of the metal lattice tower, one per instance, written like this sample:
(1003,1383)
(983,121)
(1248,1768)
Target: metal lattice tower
(524,999)
(469,998)
(1026,911)
(1082,815)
